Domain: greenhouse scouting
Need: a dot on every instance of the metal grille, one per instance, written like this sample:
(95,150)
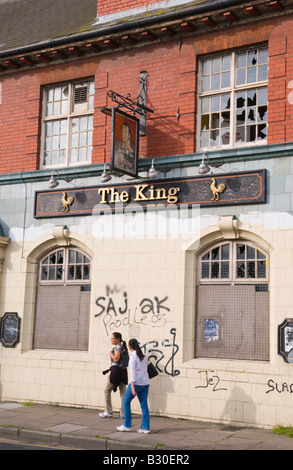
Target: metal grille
(80,93)
(62,318)
(232,322)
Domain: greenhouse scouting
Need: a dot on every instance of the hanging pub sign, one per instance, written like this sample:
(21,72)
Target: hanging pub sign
(207,191)
(124,142)
(9,329)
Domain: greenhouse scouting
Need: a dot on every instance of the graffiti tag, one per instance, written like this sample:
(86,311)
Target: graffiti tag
(160,353)
(118,313)
(212,381)
(280,388)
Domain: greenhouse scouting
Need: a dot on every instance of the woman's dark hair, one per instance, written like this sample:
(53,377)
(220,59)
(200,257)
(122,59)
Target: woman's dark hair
(119,336)
(133,343)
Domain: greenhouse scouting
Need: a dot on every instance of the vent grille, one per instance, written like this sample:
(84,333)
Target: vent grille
(80,94)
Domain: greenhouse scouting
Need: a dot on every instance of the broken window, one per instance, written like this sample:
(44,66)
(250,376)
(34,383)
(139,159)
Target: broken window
(62,309)
(233,99)
(232,302)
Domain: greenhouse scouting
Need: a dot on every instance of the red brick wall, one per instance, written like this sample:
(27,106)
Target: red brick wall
(106,7)
(280,75)
(172,82)
(19,123)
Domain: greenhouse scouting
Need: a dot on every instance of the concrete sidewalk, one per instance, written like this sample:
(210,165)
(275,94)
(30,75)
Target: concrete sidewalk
(84,429)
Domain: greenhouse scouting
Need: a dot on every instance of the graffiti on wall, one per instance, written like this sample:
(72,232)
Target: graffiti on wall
(114,310)
(116,313)
(283,387)
(163,354)
(211,381)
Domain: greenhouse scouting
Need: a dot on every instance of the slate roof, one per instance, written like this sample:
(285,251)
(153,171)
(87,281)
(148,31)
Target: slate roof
(27,22)
(33,22)
(31,25)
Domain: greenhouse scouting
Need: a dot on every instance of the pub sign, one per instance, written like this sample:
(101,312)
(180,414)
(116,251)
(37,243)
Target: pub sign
(206,191)
(124,142)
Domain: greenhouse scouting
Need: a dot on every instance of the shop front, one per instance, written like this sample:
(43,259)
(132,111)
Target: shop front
(200,276)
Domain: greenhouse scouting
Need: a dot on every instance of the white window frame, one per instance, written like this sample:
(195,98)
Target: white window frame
(65,267)
(232,279)
(69,115)
(233,89)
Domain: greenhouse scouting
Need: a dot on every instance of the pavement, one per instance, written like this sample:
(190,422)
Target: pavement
(83,429)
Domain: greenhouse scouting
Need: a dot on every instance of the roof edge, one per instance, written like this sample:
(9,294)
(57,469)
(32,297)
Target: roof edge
(212,5)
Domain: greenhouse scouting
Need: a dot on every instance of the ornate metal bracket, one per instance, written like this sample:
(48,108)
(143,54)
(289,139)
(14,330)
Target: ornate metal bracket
(129,103)
(135,105)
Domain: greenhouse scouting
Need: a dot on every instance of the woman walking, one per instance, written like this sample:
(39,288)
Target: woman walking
(138,386)
(117,378)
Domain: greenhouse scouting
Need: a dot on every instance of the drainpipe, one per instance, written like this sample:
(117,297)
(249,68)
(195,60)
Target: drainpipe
(4,241)
(120,28)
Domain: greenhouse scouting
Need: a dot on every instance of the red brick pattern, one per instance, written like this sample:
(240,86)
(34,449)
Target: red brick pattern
(106,7)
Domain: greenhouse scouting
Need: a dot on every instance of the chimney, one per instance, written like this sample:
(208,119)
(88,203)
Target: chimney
(110,7)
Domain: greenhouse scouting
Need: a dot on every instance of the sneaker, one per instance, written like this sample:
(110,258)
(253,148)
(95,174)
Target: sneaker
(143,431)
(123,428)
(120,417)
(105,414)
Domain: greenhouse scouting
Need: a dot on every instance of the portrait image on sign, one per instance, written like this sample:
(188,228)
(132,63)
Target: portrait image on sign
(124,145)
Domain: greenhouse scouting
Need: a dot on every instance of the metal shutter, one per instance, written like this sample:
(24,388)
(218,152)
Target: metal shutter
(62,318)
(232,322)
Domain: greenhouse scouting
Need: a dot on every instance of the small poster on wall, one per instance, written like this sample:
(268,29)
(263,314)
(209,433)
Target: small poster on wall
(211,330)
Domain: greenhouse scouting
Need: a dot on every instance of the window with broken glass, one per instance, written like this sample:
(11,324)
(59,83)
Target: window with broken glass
(235,262)
(232,302)
(62,306)
(233,99)
(65,266)
(67,124)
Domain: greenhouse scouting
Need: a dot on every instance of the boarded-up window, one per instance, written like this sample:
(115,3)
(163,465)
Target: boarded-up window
(63,301)
(232,311)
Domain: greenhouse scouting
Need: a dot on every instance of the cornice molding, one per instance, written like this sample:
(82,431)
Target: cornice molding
(165,163)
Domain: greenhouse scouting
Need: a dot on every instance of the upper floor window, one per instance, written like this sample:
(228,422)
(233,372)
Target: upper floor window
(233,99)
(67,131)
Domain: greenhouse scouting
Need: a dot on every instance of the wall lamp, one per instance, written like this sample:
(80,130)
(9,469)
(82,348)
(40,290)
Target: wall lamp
(204,168)
(105,176)
(153,173)
(53,183)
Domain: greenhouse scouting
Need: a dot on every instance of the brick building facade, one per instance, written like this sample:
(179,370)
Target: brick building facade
(171,66)
(212,302)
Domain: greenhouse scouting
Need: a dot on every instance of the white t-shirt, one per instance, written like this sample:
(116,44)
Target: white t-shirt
(138,369)
(116,348)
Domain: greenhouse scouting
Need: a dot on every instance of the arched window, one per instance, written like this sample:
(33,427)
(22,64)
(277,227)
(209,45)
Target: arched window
(232,314)
(63,301)
(236,262)
(65,265)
